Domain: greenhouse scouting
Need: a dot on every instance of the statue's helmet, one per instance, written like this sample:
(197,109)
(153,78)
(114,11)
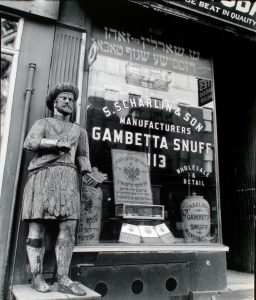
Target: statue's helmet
(61,88)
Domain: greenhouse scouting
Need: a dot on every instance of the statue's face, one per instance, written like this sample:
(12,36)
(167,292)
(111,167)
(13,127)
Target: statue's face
(64,103)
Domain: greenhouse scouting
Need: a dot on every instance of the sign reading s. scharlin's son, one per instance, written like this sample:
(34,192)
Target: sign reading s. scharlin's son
(238,13)
(151,124)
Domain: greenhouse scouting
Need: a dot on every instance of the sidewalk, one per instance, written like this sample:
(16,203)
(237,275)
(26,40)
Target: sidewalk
(241,285)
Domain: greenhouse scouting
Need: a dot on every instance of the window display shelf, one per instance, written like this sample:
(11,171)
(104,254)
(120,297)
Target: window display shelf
(107,247)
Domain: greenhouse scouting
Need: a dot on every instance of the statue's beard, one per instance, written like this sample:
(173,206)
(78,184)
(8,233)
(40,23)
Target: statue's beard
(65,110)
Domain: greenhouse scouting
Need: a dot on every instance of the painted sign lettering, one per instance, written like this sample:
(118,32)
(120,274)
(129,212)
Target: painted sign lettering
(237,13)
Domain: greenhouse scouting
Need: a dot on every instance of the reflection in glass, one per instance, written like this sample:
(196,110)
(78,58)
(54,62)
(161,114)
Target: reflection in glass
(150,122)
(8,33)
(8,38)
(6,61)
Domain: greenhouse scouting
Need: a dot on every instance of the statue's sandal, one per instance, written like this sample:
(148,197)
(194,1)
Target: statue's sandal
(38,283)
(73,288)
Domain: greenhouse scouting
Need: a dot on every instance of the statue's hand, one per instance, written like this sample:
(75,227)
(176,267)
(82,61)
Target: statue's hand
(63,146)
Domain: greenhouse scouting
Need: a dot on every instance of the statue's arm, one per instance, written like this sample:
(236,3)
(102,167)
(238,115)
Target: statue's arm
(82,155)
(36,140)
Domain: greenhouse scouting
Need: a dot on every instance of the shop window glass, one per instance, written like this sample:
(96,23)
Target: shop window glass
(151,128)
(8,33)
(6,62)
(8,52)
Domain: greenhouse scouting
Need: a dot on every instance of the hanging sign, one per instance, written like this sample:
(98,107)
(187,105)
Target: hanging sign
(238,13)
(92,53)
(204,91)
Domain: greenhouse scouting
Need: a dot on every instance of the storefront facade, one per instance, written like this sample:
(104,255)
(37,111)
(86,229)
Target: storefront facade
(153,80)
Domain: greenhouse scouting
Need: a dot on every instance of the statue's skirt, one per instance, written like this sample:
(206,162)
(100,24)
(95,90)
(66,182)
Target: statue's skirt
(52,193)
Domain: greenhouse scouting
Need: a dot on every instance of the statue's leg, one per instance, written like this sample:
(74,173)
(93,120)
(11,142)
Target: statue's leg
(35,251)
(64,250)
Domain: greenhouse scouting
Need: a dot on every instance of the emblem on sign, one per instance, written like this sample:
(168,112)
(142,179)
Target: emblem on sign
(92,53)
(132,172)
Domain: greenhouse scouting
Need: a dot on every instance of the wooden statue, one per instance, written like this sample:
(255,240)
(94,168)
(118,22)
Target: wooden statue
(52,187)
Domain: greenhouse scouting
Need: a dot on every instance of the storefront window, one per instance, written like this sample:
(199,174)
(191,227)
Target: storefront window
(151,128)
(8,51)
(8,33)
(6,62)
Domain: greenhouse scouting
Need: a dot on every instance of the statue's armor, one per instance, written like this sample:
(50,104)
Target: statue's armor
(52,188)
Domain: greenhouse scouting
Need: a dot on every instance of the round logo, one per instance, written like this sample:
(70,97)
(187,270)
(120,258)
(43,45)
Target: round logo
(92,53)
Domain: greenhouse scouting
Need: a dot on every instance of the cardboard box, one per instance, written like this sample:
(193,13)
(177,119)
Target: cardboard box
(164,233)
(130,234)
(149,235)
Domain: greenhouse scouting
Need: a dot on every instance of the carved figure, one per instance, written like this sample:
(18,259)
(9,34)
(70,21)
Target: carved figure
(52,187)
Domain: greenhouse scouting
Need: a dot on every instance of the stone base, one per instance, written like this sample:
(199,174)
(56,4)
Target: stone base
(25,292)
(223,295)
